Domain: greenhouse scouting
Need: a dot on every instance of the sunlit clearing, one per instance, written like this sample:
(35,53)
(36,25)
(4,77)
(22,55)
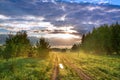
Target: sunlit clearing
(61,66)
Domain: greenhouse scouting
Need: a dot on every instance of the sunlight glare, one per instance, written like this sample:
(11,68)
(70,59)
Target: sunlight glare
(65,36)
(61,66)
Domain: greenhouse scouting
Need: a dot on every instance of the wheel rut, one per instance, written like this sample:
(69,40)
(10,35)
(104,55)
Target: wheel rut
(55,69)
(79,71)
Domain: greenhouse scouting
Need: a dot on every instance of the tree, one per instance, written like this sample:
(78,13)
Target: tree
(43,47)
(22,43)
(1,51)
(83,39)
(16,45)
(103,40)
(9,49)
(116,37)
(75,47)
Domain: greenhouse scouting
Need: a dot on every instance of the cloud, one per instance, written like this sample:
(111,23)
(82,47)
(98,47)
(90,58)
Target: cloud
(98,1)
(113,10)
(62,18)
(4,17)
(103,1)
(25,25)
(51,19)
(57,42)
(91,8)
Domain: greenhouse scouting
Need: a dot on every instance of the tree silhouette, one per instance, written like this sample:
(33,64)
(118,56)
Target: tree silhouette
(75,47)
(116,38)
(43,47)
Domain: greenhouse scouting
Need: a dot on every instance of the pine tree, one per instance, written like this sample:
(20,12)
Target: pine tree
(116,38)
(75,47)
(43,47)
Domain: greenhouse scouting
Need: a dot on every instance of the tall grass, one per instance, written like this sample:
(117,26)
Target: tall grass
(100,67)
(25,69)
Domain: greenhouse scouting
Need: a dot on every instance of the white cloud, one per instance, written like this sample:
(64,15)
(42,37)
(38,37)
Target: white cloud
(91,22)
(113,10)
(33,18)
(62,36)
(103,1)
(34,27)
(91,8)
(63,7)
(29,17)
(37,1)
(62,18)
(97,1)
(3,17)
(26,25)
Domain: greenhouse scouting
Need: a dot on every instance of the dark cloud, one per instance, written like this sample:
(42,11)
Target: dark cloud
(83,17)
(63,32)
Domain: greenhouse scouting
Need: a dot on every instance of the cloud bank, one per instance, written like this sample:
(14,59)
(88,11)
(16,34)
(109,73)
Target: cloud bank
(52,19)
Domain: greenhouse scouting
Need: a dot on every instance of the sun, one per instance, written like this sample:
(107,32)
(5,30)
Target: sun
(65,36)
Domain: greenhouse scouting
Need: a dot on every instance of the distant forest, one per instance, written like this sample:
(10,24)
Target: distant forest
(102,40)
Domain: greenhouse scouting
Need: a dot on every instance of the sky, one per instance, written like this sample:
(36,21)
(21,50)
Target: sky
(62,23)
(114,2)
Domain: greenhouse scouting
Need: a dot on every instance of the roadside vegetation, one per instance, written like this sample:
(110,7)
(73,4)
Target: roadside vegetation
(99,67)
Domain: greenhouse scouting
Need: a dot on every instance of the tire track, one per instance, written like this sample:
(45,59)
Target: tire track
(55,69)
(79,71)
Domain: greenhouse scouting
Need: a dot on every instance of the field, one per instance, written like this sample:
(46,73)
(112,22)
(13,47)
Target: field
(62,66)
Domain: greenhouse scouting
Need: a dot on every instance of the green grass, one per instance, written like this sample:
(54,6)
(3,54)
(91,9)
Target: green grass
(25,69)
(97,66)
(67,73)
(100,67)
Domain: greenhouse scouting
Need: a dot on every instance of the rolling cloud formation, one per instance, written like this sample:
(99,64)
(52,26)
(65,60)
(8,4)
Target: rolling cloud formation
(55,17)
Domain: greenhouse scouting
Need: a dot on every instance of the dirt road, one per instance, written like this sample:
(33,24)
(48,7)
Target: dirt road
(55,69)
(77,70)
(81,74)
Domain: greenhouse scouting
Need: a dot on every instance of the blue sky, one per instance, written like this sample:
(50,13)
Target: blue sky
(115,2)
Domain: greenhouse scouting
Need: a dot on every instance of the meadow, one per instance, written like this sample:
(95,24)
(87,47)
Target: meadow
(99,67)
(74,67)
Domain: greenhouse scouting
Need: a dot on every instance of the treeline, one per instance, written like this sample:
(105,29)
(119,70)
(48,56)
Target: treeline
(19,45)
(102,40)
